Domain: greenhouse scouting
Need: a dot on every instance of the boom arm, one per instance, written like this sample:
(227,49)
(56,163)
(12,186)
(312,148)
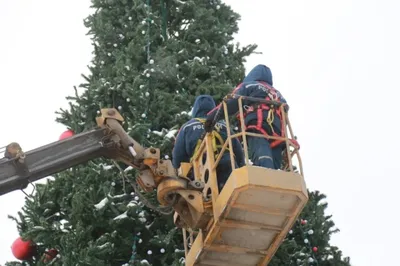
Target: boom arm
(110,140)
(15,173)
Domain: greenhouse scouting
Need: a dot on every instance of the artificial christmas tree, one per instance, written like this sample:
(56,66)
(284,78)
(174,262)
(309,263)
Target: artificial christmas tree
(151,59)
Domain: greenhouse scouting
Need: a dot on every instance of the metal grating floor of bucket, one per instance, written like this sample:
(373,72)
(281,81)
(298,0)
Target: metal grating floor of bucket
(258,207)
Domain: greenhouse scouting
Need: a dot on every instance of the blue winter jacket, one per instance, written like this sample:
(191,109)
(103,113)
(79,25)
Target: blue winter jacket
(192,130)
(251,87)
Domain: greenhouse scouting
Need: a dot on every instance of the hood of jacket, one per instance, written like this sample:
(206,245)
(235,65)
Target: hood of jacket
(202,105)
(259,73)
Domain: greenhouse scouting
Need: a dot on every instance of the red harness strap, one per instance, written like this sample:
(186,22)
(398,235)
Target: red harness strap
(258,126)
(260,109)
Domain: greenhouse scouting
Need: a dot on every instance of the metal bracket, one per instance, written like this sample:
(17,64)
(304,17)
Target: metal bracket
(34,189)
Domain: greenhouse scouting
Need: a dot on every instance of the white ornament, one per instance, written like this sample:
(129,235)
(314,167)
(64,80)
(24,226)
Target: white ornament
(291,232)
(136,198)
(162,250)
(115,45)
(148,75)
(143,32)
(177,65)
(140,241)
(130,18)
(98,112)
(306,240)
(149,252)
(218,6)
(128,100)
(141,86)
(147,94)
(102,62)
(109,54)
(151,61)
(152,70)
(166,157)
(113,184)
(143,115)
(152,21)
(120,107)
(310,260)
(144,22)
(126,26)
(197,40)
(185,62)
(310,232)
(139,233)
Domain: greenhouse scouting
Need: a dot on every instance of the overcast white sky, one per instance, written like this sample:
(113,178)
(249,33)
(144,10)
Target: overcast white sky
(336,62)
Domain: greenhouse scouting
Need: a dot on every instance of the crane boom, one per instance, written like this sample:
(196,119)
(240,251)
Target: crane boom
(18,169)
(50,159)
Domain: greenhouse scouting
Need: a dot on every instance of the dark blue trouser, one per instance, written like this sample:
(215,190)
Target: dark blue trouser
(260,151)
(261,154)
(223,171)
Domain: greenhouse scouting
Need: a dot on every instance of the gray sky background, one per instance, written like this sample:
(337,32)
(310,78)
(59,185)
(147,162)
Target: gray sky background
(336,62)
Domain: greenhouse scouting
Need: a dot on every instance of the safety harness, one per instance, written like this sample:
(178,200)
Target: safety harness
(272,95)
(217,141)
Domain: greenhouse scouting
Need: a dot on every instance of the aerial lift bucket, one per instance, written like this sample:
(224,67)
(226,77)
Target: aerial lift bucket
(254,211)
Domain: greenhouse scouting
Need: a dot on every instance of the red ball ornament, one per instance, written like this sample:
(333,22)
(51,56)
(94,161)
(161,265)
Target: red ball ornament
(50,254)
(303,222)
(315,249)
(67,134)
(23,250)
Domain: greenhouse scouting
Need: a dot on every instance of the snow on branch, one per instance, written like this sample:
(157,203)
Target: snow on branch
(122,216)
(166,133)
(101,204)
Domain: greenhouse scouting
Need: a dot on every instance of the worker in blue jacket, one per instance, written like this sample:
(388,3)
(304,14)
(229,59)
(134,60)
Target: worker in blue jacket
(258,84)
(191,132)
